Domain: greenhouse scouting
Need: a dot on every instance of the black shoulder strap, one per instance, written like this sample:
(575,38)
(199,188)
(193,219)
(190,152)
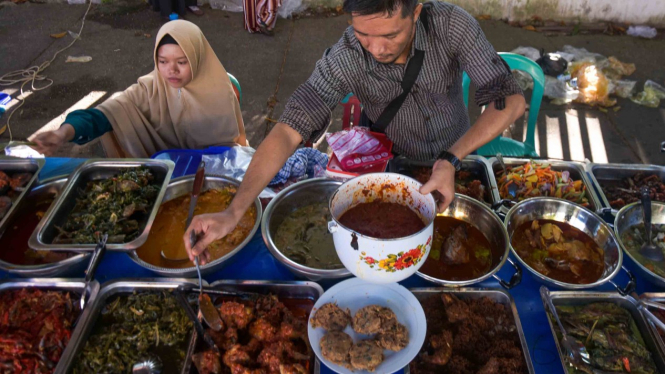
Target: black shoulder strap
(410,75)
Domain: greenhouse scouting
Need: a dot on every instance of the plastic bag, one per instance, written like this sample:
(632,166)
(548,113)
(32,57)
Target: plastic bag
(582,55)
(233,164)
(227,5)
(523,79)
(357,148)
(561,91)
(623,88)
(642,32)
(289,7)
(651,96)
(593,85)
(615,69)
(552,64)
(528,52)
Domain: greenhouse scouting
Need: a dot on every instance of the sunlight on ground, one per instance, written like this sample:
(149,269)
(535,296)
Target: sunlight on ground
(85,103)
(19,97)
(574,136)
(553,137)
(598,152)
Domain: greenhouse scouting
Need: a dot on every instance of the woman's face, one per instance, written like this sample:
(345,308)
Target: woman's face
(173,65)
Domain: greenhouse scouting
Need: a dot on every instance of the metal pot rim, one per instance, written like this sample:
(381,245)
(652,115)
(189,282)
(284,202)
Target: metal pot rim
(623,248)
(336,221)
(281,257)
(496,268)
(190,271)
(555,282)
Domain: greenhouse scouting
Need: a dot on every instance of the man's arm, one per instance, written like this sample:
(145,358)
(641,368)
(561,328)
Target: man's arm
(271,155)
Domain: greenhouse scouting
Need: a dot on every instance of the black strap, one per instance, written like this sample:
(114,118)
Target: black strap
(410,75)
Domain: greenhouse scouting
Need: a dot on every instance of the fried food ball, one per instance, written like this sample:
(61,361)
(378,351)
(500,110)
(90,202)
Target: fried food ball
(394,338)
(331,317)
(366,355)
(335,347)
(372,318)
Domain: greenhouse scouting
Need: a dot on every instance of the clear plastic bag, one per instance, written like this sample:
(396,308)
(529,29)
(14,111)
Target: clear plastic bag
(357,148)
(623,88)
(233,164)
(582,55)
(560,91)
(593,85)
(528,52)
(651,96)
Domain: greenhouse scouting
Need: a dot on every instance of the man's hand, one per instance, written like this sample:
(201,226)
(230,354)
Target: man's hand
(47,143)
(208,228)
(443,181)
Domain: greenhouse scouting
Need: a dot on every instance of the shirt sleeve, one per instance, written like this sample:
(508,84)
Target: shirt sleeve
(309,109)
(88,124)
(479,60)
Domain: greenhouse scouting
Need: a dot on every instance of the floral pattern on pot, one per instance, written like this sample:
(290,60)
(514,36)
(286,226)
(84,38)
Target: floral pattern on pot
(400,261)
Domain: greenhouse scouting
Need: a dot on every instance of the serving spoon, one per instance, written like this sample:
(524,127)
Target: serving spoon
(648,249)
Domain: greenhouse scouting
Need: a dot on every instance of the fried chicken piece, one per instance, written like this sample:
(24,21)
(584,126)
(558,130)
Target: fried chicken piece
(207,362)
(236,355)
(224,340)
(240,369)
(274,355)
(370,319)
(456,309)
(335,347)
(270,308)
(331,317)
(441,348)
(366,355)
(292,327)
(292,369)
(394,338)
(236,315)
(263,331)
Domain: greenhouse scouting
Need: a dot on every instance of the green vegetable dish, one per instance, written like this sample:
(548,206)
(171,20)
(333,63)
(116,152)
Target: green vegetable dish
(610,336)
(636,236)
(115,206)
(135,328)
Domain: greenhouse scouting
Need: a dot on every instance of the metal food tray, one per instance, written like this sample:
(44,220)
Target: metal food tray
(476,165)
(19,165)
(574,298)
(74,286)
(599,173)
(497,295)
(302,290)
(42,237)
(575,169)
(122,286)
(657,297)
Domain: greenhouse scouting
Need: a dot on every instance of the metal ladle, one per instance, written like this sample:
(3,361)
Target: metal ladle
(648,249)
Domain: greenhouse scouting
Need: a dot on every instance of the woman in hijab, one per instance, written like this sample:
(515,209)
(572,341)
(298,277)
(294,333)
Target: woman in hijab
(187,102)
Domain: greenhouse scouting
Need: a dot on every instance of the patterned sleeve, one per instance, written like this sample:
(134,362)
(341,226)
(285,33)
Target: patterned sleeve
(309,109)
(479,60)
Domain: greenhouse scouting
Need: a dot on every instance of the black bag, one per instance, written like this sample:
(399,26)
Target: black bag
(552,64)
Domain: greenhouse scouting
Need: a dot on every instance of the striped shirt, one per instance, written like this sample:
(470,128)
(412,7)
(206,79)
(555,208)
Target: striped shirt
(433,116)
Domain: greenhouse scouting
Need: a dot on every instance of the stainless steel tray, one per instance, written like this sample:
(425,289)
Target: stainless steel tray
(476,165)
(302,290)
(74,286)
(572,298)
(19,165)
(497,295)
(657,297)
(109,289)
(599,173)
(46,231)
(71,266)
(575,169)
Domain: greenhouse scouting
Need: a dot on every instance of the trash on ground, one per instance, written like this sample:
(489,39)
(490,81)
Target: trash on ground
(528,52)
(651,96)
(623,88)
(642,32)
(59,35)
(552,64)
(78,59)
(593,85)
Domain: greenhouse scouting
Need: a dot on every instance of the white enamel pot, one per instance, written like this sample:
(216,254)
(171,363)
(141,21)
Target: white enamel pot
(382,260)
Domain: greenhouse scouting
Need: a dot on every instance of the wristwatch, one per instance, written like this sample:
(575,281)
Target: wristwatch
(445,155)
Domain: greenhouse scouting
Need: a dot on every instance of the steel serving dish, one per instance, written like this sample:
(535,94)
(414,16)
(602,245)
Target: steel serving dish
(655,297)
(575,169)
(478,166)
(183,186)
(19,165)
(297,196)
(550,208)
(497,295)
(68,267)
(42,238)
(75,286)
(600,174)
(575,298)
(631,215)
(110,289)
(294,290)
(477,214)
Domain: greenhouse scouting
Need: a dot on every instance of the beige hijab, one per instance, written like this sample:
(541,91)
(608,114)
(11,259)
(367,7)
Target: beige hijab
(151,116)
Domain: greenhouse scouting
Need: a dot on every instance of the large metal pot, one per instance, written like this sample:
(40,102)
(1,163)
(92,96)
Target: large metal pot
(631,215)
(382,260)
(296,196)
(183,186)
(559,210)
(69,267)
(484,219)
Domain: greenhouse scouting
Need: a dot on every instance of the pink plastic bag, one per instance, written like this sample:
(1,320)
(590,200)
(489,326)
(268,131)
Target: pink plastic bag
(357,148)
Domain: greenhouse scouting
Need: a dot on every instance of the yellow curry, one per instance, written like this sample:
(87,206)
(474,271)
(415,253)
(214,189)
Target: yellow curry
(169,227)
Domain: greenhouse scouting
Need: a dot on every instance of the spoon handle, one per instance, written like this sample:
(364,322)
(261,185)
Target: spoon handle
(646,207)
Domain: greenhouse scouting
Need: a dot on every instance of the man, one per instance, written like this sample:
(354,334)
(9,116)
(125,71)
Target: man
(389,43)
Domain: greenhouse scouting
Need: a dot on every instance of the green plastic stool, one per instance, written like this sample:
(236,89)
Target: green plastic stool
(235,83)
(507,146)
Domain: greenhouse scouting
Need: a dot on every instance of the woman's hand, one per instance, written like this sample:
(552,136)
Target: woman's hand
(208,228)
(47,143)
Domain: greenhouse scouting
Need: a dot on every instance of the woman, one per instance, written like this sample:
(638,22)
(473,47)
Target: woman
(186,102)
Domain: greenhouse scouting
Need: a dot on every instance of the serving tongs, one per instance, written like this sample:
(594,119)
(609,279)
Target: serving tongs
(97,255)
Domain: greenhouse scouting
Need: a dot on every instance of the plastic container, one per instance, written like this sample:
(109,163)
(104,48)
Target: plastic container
(335,170)
(187,160)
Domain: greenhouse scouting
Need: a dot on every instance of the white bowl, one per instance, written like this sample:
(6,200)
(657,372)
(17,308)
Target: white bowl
(355,294)
(382,260)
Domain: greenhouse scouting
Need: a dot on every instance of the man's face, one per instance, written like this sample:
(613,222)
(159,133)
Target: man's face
(385,37)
